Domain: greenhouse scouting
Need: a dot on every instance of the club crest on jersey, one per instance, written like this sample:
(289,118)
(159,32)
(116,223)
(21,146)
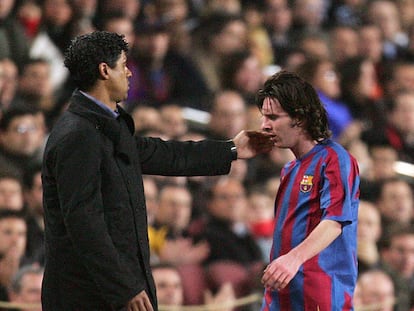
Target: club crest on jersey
(306,183)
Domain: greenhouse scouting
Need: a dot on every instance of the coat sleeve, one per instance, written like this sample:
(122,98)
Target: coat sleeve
(78,160)
(176,158)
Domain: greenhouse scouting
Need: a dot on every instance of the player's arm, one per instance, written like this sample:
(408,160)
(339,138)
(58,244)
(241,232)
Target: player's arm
(282,270)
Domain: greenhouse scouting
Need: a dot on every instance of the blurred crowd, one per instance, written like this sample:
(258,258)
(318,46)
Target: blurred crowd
(210,237)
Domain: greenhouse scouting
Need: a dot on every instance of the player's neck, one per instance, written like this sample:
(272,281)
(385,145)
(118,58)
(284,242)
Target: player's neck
(303,147)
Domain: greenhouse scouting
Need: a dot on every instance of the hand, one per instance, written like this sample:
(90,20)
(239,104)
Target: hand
(280,272)
(252,143)
(140,302)
(225,294)
(173,250)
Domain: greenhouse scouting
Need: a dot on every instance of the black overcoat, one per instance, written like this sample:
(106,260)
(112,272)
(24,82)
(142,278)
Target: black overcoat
(97,253)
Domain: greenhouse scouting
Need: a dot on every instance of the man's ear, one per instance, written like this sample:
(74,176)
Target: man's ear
(103,71)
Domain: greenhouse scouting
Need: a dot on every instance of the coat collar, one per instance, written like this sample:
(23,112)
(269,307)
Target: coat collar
(86,108)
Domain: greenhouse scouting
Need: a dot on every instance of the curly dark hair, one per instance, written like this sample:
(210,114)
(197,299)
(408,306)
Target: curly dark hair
(300,100)
(87,51)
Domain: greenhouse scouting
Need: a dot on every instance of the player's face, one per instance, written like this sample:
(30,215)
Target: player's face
(278,122)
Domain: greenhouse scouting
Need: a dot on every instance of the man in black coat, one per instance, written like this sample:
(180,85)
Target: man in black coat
(97,255)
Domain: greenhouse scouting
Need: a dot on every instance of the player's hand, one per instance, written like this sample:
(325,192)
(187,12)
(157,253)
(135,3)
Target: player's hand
(280,272)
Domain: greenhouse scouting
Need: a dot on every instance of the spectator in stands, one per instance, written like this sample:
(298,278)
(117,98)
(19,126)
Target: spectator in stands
(12,247)
(278,21)
(35,86)
(33,198)
(360,91)
(120,23)
(343,42)
(308,16)
(159,75)
(13,42)
(26,287)
(385,14)
(234,254)
(170,290)
(174,216)
(228,115)
(177,16)
(395,202)
(369,233)
(217,36)
(371,46)
(173,123)
(10,82)
(170,226)
(259,218)
(11,192)
(398,130)
(384,158)
(375,291)
(243,73)
(314,44)
(146,119)
(323,76)
(21,139)
(349,13)
(54,35)
(397,255)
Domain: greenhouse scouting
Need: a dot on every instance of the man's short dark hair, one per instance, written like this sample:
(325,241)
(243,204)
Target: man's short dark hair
(87,51)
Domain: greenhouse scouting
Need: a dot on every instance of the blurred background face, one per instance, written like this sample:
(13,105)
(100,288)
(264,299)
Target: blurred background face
(22,136)
(278,16)
(396,202)
(169,287)
(30,292)
(383,161)
(229,201)
(35,80)
(11,196)
(376,288)
(344,43)
(367,79)
(174,207)
(6,7)
(326,80)
(34,196)
(370,43)
(172,10)
(59,12)
(400,256)
(173,122)
(403,115)
(151,198)
(12,237)
(249,77)
(232,38)
(385,14)
(153,46)
(228,116)
(123,26)
(369,222)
